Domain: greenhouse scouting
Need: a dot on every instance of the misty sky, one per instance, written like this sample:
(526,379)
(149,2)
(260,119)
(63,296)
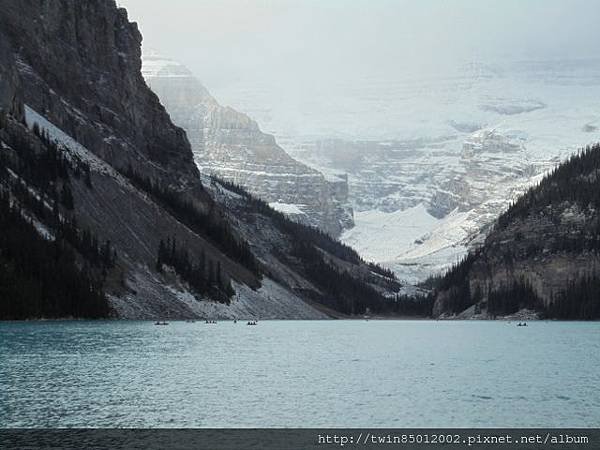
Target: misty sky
(221,40)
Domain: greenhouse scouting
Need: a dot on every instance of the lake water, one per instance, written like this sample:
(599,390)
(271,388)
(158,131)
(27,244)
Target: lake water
(299,373)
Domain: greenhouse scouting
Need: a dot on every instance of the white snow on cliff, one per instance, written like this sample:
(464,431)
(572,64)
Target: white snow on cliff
(74,150)
(459,145)
(287,208)
(156,65)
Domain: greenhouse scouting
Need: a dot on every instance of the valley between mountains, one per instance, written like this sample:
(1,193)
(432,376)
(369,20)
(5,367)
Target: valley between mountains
(128,190)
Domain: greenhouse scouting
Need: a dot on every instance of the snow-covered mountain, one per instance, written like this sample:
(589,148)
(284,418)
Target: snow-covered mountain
(432,160)
(230,144)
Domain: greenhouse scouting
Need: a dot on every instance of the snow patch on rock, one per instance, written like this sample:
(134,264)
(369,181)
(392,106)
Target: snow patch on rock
(287,208)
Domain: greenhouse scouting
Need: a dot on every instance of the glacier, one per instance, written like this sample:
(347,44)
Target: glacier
(431,159)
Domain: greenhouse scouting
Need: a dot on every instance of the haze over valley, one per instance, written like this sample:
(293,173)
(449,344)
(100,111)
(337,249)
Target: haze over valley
(438,116)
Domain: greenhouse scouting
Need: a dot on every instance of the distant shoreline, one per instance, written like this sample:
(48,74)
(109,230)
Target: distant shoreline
(333,319)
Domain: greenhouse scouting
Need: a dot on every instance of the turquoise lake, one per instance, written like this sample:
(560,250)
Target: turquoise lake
(299,373)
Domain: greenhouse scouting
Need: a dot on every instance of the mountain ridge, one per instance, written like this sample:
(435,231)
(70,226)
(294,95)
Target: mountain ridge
(122,184)
(230,144)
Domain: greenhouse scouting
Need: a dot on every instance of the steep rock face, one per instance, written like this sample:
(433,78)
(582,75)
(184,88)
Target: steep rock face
(88,82)
(230,145)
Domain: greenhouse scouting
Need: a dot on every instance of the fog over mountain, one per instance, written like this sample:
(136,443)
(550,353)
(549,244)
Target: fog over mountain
(324,41)
(440,113)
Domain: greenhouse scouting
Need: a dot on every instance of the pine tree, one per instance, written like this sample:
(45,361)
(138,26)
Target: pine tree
(87,176)
(219,277)
(66,197)
(160,260)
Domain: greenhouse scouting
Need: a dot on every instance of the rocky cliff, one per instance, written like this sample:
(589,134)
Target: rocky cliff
(91,161)
(87,81)
(541,255)
(230,145)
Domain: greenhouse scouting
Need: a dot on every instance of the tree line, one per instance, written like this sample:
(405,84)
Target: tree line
(40,278)
(406,305)
(207,224)
(578,301)
(59,275)
(575,183)
(342,291)
(302,232)
(203,275)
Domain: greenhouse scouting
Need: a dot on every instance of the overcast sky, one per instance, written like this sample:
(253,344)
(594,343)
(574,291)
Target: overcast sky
(224,39)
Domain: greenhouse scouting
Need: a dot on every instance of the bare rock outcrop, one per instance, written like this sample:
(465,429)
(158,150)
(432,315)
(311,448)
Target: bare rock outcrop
(231,145)
(88,82)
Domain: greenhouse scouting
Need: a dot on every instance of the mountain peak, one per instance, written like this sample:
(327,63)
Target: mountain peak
(230,145)
(154,64)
